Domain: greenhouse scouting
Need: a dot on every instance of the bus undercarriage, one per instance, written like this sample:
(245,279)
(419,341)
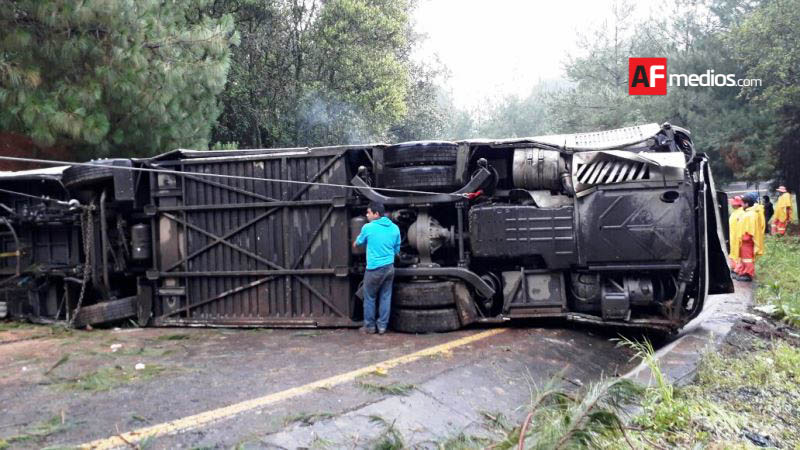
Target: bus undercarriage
(622,228)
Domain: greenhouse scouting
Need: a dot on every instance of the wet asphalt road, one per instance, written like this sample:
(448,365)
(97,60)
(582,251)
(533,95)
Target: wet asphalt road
(192,371)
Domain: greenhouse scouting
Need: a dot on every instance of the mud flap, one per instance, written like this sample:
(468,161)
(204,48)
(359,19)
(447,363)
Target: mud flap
(467,311)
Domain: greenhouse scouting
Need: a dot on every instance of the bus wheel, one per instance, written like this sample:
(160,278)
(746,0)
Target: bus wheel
(424,295)
(421,153)
(423,178)
(105,312)
(424,320)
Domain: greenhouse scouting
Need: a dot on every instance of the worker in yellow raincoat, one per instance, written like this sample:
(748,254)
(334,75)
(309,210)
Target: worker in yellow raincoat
(761,224)
(748,247)
(734,237)
(783,212)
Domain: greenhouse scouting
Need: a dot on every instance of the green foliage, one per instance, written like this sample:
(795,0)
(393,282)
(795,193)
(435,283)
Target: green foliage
(306,419)
(225,146)
(662,412)
(310,72)
(765,45)
(515,116)
(428,111)
(133,77)
(107,378)
(390,438)
(559,420)
(40,430)
(387,389)
(779,278)
(732,131)
(175,337)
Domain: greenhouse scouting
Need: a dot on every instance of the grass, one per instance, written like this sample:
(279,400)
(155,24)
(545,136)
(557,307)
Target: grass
(58,363)
(386,389)
(742,395)
(463,441)
(306,419)
(7,325)
(743,392)
(778,278)
(661,409)
(320,442)
(138,418)
(389,438)
(47,331)
(174,337)
(561,419)
(39,431)
(107,378)
(307,333)
(144,352)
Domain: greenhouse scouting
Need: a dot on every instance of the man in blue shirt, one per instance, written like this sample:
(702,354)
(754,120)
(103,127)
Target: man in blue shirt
(382,238)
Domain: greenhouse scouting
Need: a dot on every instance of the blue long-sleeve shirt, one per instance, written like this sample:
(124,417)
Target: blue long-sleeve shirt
(383,242)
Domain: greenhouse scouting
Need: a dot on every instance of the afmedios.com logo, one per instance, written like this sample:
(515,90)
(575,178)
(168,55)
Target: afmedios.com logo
(648,76)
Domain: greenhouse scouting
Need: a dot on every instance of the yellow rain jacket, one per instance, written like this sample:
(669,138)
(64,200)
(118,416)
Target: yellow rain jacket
(761,223)
(749,225)
(734,224)
(782,207)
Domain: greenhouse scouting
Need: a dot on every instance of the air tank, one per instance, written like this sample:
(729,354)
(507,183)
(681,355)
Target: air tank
(535,169)
(141,242)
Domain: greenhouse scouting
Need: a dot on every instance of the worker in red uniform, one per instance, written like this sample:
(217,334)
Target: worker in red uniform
(734,237)
(783,212)
(748,227)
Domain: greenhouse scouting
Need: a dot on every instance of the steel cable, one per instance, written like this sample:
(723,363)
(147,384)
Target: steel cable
(215,175)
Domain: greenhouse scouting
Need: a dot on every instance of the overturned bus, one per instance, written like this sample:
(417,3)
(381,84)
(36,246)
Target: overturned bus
(620,227)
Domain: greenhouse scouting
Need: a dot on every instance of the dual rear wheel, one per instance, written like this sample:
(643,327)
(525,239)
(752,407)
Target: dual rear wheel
(424,307)
(421,166)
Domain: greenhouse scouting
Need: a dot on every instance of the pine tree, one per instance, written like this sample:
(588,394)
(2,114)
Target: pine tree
(112,77)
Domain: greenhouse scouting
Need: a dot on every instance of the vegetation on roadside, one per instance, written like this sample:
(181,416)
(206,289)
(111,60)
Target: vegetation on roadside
(386,389)
(39,431)
(778,278)
(390,438)
(306,419)
(107,378)
(175,337)
(744,394)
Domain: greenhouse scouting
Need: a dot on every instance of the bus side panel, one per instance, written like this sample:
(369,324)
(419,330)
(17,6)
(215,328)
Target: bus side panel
(243,252)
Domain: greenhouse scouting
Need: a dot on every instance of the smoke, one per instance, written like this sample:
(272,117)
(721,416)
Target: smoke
(323,119)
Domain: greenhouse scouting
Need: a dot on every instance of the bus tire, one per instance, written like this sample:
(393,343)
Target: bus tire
(420,153)
(105,312)
(421,178)
(81,176)
(431,295)
(424,320)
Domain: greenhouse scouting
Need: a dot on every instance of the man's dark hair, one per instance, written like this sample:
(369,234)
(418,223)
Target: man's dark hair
(748,201)
(766,198)
(377,208)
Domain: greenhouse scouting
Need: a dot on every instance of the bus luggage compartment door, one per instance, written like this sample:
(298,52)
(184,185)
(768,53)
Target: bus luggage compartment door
(241,252)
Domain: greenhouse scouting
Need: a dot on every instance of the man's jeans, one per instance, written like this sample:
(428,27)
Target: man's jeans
(378,285)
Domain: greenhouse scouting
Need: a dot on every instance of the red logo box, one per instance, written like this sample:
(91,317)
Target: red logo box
(647,76)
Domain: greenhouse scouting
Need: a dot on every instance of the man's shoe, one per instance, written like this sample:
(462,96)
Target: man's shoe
(745,278)
(382,331)
(367,330)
